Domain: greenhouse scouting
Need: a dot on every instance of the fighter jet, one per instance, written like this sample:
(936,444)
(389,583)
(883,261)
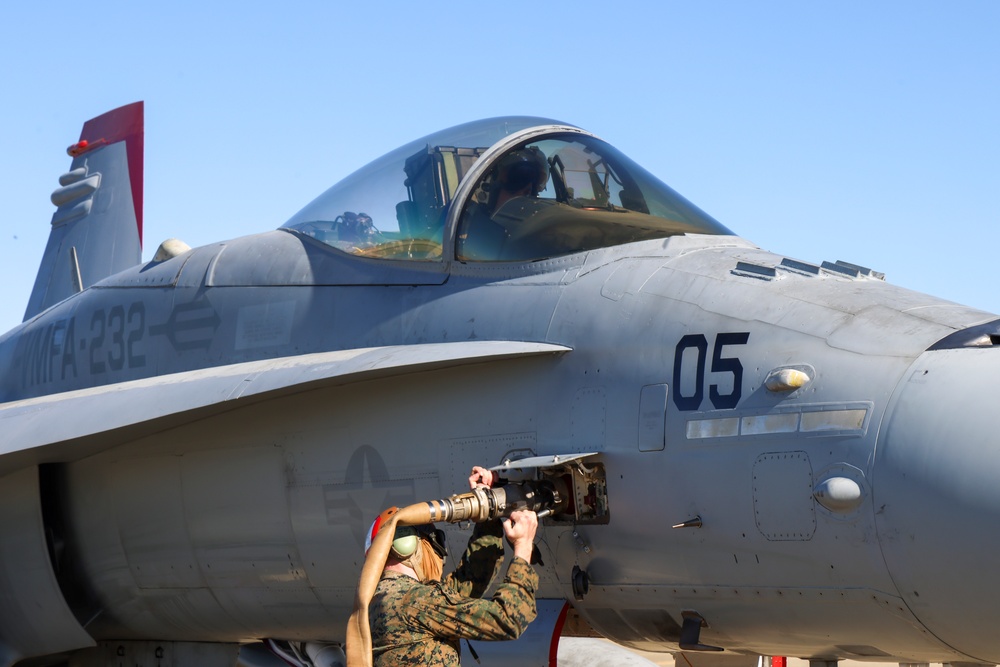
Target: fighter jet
(747,454)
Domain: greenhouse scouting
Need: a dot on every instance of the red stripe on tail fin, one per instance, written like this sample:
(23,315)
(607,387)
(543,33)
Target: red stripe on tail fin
(121,124)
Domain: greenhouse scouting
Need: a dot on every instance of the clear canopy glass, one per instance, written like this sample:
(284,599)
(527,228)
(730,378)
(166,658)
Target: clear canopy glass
(557,193)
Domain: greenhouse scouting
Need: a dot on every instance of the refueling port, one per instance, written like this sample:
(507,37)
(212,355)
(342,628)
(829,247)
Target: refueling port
(584,485)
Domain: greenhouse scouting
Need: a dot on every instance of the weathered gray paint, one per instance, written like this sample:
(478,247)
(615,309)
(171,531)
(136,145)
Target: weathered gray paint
(218,430)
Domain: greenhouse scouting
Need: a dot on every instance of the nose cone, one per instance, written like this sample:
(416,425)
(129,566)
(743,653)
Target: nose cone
(936,489)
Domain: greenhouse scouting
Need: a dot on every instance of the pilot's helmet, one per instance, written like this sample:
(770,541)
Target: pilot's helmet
(407,538)
(523,167)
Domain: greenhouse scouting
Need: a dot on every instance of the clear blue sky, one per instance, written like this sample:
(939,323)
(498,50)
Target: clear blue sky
(861,131)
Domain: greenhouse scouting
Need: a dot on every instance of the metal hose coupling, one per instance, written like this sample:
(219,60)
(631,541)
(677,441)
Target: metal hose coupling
(545,497)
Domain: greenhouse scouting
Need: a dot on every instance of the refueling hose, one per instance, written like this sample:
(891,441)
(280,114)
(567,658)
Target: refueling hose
(482,504)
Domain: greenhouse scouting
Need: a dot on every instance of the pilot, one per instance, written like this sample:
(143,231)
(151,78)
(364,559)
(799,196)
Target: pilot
(520,173)
(417,617)
(356,229)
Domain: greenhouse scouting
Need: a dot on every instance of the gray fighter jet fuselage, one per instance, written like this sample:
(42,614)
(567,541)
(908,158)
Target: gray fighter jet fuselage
(802,455)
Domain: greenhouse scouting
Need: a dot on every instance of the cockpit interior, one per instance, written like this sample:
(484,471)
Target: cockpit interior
(501,190)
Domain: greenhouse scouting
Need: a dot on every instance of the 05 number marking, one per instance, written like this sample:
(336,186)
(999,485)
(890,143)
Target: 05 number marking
(720,364)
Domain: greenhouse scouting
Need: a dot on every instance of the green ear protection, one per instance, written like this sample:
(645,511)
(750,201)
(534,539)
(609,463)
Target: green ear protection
(406,542)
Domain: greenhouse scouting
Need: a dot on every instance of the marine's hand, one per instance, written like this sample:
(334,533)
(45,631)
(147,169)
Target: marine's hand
(481,477)
(520,530)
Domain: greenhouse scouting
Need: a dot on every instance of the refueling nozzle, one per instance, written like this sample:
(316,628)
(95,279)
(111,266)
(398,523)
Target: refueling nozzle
(545,497)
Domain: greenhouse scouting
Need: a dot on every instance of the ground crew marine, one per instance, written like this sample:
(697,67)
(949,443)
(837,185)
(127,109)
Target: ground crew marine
(417,622)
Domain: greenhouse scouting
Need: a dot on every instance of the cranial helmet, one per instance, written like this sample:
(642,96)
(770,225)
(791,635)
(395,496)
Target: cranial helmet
(522,167)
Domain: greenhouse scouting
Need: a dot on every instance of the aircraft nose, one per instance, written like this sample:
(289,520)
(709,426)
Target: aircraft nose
(936,492)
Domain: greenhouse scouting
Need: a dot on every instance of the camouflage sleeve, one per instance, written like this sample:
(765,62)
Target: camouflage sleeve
(480,563)
(449,616)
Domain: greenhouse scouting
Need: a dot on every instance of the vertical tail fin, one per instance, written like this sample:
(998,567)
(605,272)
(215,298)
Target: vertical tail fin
(97,228)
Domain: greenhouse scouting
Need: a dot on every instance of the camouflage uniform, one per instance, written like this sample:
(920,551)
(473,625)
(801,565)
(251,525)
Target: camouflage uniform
(420,624)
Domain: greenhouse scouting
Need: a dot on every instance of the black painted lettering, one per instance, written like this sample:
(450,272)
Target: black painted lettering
(137,329)
(730,365)
(57,339)
(69,349)
(31,361)
(116,327)
(724,365)
(46,355)
(97,331)
(693,401)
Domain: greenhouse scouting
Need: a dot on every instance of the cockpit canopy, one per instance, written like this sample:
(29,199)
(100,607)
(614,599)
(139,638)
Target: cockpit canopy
(500,190)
